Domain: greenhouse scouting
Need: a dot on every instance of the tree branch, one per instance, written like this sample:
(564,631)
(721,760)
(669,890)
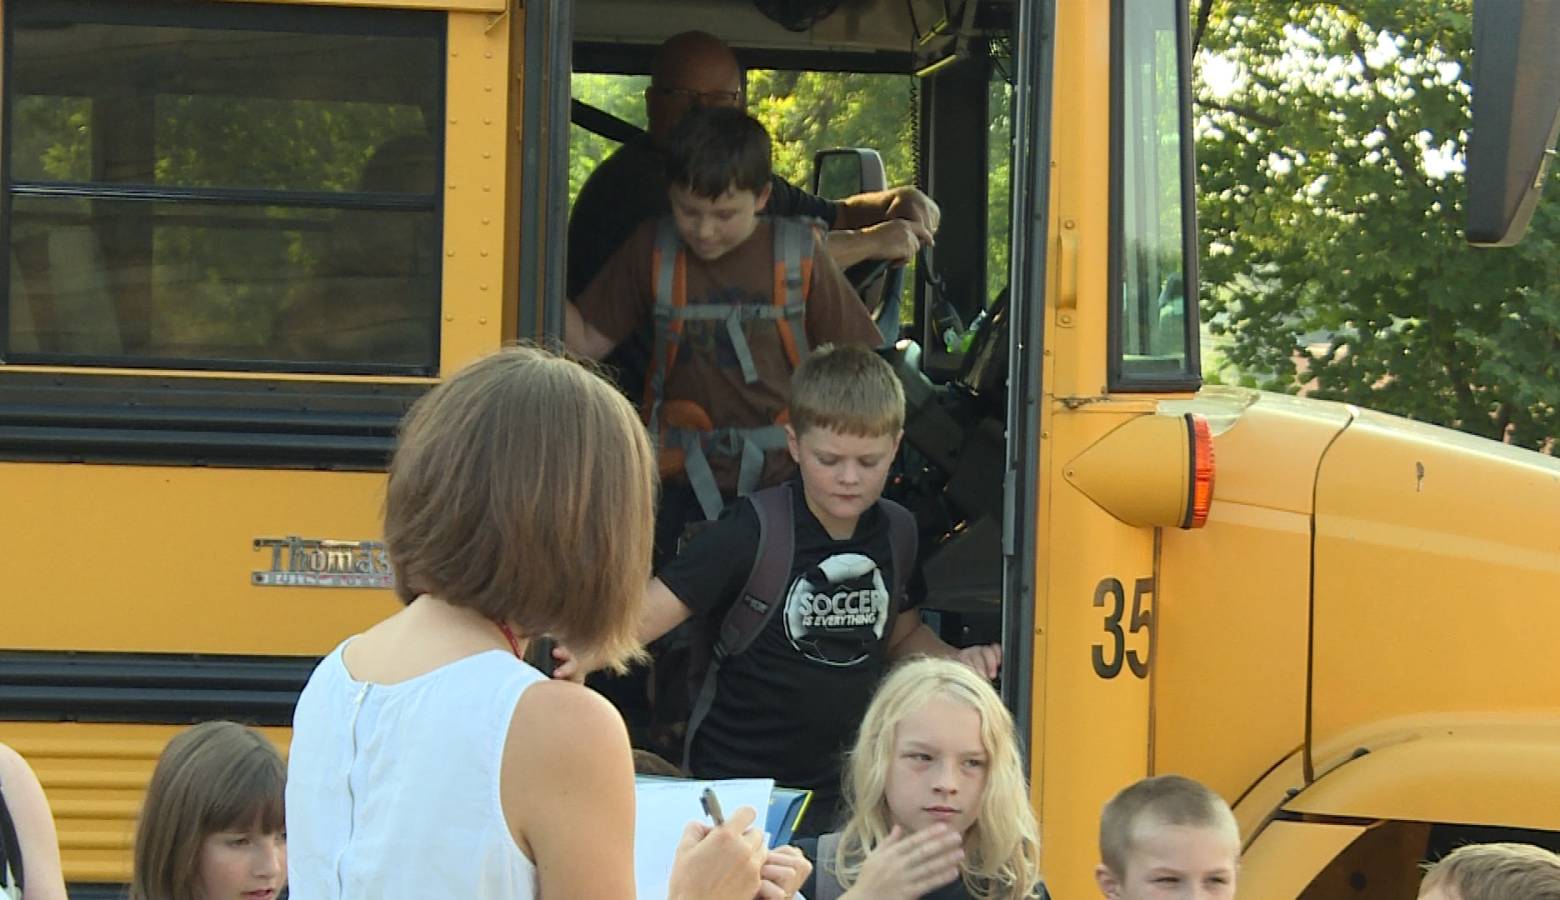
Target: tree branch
(1468,408)
(1503,414)
(1204,10)
(1244,112)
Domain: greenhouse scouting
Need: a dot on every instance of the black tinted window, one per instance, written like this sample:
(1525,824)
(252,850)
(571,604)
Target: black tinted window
(223,185)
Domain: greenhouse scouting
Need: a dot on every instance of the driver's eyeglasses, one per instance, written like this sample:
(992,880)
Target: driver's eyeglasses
(732,99)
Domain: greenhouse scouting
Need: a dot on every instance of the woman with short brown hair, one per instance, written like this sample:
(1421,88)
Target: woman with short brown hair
(428,759)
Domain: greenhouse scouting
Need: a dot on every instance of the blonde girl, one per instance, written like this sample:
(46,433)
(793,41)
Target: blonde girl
(213,825)
(936,797)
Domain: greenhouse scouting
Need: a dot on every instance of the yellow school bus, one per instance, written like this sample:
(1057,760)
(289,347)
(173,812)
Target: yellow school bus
(241,238)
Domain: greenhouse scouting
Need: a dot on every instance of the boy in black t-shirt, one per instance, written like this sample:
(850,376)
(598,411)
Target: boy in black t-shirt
(787,706)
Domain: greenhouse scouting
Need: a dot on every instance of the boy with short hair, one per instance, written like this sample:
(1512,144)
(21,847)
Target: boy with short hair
(737,297)
(786,706)
(1167,836)
(1494,872)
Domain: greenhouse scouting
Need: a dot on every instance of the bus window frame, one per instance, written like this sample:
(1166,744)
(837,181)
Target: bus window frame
(1024,531)
(311,20)
(1118,380)
(542,262)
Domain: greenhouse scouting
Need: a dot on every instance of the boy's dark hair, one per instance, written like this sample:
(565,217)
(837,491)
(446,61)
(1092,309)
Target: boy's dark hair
(714,150)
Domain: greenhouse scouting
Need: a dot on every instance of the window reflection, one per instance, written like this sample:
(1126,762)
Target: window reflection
(223,186)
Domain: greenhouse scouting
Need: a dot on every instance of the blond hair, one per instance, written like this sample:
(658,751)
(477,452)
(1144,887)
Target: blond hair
(1002,847)
(848,389)
(1497,872)
(523,488)
(215,777)
(1162,800)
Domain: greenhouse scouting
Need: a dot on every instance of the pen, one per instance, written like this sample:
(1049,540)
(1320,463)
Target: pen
(711,806)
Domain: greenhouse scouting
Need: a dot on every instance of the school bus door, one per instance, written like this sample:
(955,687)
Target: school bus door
(1117,331)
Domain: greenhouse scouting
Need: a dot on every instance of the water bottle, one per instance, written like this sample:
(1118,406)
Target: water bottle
(947,325)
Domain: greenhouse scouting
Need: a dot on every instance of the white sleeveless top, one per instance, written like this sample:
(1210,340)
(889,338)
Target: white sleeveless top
(392,789)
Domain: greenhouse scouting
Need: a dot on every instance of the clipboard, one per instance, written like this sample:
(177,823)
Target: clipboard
(664,806)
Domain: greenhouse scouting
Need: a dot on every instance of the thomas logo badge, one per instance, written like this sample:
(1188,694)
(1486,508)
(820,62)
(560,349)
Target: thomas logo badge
(302,562)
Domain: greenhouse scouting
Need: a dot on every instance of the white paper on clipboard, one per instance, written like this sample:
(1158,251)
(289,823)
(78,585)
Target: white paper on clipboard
(662,807)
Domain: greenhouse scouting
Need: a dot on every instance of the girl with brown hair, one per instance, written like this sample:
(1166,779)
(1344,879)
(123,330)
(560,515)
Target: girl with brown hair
(213,825)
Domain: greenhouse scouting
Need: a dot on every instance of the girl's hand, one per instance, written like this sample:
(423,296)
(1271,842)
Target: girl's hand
(567,667)
(720,863)
(785,871)
(904,868)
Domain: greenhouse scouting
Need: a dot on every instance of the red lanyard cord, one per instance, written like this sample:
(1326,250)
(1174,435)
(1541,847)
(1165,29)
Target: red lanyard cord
(509,635)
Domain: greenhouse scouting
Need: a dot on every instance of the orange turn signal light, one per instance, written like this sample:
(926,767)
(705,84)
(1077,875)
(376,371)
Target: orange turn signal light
(1152,471)
(1201,481)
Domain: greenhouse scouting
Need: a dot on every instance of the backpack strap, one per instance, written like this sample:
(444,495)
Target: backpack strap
(749,446)
(902,546)
(11,875)
(826,881)
(793,279)
(669,276)
(757,602)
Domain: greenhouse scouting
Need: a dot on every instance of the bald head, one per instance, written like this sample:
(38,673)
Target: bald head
(693,53)
(690,70)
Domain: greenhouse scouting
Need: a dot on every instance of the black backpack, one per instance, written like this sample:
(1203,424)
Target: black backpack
(10,855)
(765,588)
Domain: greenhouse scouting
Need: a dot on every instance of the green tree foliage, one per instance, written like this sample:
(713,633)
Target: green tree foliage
(810,111)
(622,96)
(999,185)
(1330,152)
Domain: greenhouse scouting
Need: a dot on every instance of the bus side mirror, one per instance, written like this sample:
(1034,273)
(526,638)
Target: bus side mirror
(843,171)
(1516,115)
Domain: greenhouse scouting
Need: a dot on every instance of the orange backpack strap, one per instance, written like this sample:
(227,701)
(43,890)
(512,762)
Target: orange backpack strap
(669,277)
(793,278)
(679,416)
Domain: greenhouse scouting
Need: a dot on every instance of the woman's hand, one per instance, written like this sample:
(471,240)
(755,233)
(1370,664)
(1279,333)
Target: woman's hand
(785,871)
(906,867)
(720,863)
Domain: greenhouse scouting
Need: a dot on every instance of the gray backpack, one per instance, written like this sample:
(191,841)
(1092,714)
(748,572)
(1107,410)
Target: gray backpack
(826,884)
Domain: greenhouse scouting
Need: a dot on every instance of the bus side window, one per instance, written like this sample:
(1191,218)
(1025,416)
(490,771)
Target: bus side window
(368,297)
(178,173)
(1155,248)
(60,298)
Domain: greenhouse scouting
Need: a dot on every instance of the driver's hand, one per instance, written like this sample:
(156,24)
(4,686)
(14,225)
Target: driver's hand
(911,204)
(896,240)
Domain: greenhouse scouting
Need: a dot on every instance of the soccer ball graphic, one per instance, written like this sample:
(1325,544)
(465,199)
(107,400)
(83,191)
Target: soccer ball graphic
(835,612)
